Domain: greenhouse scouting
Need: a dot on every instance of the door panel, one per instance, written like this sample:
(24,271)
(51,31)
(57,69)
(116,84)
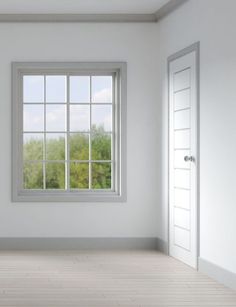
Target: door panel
(182,79)
(181,99)
(181,239)
(182,218)
(183,158)
(182,198)
(182,139)
(182,119)
(182,178)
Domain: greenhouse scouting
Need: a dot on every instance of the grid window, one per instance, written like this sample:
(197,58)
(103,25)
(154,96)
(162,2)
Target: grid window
(69,141)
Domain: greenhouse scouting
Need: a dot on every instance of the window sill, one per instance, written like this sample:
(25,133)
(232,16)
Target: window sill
(68,196)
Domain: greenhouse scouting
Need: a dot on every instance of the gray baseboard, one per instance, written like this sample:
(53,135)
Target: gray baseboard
(218,273)
(162,246)
(78,243)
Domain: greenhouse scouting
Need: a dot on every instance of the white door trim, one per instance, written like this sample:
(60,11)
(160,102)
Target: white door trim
(192,48)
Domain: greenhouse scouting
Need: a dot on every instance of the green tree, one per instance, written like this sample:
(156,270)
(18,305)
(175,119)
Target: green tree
(101,144)
(79,170)
(33,175)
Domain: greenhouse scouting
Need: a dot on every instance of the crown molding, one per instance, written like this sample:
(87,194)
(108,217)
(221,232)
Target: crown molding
(168,8)
(117,18)
(94,18)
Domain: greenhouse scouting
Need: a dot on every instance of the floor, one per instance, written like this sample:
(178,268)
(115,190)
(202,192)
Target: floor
(107,279)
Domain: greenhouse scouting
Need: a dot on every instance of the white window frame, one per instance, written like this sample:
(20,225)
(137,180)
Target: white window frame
(118,191)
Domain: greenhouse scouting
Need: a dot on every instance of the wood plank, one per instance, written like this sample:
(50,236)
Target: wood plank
(105,278)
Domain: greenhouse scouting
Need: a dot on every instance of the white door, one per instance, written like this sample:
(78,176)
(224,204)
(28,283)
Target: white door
(183,149)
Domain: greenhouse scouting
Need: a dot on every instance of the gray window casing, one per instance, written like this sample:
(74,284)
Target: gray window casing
(119,192)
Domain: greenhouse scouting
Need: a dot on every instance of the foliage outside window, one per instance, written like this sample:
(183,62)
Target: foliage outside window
(68,132)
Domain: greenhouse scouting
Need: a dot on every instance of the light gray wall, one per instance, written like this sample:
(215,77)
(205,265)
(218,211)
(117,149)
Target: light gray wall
(213,23)
(145,47)
(132,43)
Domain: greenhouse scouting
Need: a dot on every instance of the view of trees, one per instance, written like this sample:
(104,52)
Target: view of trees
(78,156)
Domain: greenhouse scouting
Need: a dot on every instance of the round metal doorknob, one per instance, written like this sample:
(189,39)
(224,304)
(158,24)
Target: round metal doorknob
(189,159)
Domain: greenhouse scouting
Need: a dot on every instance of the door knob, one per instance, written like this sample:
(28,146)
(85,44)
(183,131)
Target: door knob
(189,159)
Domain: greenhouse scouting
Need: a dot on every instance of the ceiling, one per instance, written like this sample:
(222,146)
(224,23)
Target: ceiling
(80,6)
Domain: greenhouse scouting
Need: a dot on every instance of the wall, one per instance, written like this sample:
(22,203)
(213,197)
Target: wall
(145,47)
(133,43)
(213,23)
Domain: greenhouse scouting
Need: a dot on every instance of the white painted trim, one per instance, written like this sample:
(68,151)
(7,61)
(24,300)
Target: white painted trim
(168,8)
(77,243)
(94,18)
(218,273)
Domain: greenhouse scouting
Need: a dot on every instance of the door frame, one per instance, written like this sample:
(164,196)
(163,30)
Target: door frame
(195,47)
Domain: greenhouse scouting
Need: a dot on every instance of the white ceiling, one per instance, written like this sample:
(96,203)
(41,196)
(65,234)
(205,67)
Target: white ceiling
(80,6)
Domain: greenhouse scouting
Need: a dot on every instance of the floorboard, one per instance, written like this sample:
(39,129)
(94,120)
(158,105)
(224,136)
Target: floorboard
(106,279)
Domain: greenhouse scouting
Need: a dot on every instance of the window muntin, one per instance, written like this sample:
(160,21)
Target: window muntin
(68,132)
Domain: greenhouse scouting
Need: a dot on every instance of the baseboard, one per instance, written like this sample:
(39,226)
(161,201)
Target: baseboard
(78,243)
(218,273)
(162,246)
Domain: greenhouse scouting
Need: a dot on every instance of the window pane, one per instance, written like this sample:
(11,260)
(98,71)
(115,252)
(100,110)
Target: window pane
(79,118)
(33,176)
(33,146)
(56,118)
(102,117)
(79,89)
(56,89)
(55,146)
(79,146)
(33,118)
(101,175)
(101,146)
(33,88)
(102,89)
(55,176)
(79,175)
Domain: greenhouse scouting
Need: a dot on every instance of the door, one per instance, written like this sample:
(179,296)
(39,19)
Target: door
(183,155)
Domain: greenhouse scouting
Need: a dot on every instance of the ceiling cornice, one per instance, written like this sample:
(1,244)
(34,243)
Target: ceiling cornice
(168,8)
(95,18)
(78,18)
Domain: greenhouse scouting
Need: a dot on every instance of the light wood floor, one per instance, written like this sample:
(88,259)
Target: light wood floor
(107,279)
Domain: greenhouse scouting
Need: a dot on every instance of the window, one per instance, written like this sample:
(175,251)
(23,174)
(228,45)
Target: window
(69,131)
